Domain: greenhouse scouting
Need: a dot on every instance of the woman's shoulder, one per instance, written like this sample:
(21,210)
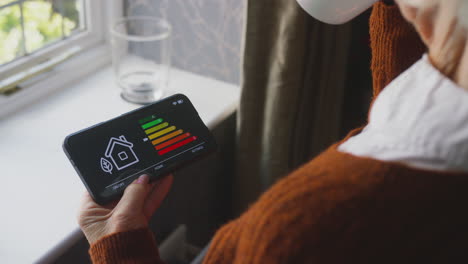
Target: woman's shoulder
(332,169)
(300,209)
(317,187)
(357,206)
(342,199)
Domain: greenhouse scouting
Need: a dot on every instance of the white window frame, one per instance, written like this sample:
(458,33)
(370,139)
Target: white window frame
(94,53)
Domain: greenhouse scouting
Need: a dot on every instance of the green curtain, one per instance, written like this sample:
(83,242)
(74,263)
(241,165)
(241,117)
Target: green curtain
(294,71)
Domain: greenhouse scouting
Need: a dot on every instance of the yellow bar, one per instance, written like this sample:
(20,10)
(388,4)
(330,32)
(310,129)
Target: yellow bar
(166,137)
(162,132)
(156,128)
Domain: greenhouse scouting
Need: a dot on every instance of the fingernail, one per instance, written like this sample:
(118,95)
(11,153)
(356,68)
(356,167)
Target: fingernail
(143,179)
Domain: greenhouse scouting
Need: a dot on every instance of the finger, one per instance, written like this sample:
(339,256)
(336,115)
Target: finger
(89,209)
(86,198)
(86,202)
(157,195)
(134,196)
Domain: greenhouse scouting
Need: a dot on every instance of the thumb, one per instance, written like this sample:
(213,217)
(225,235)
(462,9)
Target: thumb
(134,195)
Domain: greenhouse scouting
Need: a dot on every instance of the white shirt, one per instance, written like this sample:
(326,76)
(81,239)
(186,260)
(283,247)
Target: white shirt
(420,119)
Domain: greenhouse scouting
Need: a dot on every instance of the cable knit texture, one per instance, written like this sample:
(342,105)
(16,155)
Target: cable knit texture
(395,45)
(133,247)
(340,208)
(345,209)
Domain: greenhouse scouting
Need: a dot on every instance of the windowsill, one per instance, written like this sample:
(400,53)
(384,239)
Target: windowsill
(42,191)
(65,74)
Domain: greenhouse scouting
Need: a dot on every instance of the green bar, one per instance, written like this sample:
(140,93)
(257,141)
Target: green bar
(153,123)
(146,119)
(156,128)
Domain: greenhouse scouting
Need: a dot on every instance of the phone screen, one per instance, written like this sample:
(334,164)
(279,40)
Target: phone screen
(154,140)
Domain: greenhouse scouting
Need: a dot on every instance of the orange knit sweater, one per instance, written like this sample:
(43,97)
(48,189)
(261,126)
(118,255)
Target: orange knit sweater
(395,45)
(336,209)
(340,208)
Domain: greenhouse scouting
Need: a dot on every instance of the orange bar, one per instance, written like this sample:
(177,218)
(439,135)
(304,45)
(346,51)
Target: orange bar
(166,137)
(172,141)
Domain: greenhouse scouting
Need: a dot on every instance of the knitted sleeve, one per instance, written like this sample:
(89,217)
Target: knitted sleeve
(395,45)
(132,247)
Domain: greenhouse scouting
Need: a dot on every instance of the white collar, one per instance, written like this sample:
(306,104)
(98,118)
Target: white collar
(420,119)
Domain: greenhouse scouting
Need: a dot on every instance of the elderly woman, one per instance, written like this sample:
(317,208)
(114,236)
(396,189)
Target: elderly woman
(395,191)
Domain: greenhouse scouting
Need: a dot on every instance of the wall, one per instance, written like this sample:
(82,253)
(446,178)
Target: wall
(207,33)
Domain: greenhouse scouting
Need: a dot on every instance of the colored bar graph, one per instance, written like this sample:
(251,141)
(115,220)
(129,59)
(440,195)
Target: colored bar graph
(156,128)
(177,145)
(166,137)
(162,132)
(152,123)
(172,141)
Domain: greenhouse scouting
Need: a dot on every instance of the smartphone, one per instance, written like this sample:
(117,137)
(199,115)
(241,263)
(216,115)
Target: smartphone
(154,140)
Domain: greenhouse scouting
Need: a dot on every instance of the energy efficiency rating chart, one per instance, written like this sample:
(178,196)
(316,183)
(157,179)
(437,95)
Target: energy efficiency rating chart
(165,137)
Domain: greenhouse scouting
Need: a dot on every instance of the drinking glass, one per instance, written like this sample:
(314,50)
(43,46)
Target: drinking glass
(141,52)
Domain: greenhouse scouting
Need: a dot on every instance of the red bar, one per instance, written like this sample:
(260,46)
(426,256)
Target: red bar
(172,141)
(177,145)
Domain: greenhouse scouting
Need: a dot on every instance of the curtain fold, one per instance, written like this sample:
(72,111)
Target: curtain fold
(294,71)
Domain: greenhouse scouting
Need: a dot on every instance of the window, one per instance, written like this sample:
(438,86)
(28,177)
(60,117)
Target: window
(28,26)
(37,35)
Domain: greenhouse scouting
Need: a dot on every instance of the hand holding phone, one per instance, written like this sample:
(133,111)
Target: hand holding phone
(154,140)
(132,212)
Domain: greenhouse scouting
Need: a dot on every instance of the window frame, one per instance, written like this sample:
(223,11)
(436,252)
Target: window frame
(86,39)
(94,53)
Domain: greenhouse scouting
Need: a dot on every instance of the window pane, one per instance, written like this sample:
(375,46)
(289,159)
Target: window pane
(42,25)
(11,35)
(72,12)
(4,2)
(27,26)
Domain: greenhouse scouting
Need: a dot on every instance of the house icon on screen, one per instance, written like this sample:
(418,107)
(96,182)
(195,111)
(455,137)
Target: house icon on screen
(120,151)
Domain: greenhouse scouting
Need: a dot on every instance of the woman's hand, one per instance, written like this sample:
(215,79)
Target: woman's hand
(438,24)
(138,203)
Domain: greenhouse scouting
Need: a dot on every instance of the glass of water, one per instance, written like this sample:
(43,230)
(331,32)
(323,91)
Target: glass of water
(141,54)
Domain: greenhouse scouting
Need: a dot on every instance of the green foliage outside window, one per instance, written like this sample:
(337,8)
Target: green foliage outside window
(42,25)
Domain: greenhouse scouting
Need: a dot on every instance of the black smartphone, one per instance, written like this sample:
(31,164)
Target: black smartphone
(154,140)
